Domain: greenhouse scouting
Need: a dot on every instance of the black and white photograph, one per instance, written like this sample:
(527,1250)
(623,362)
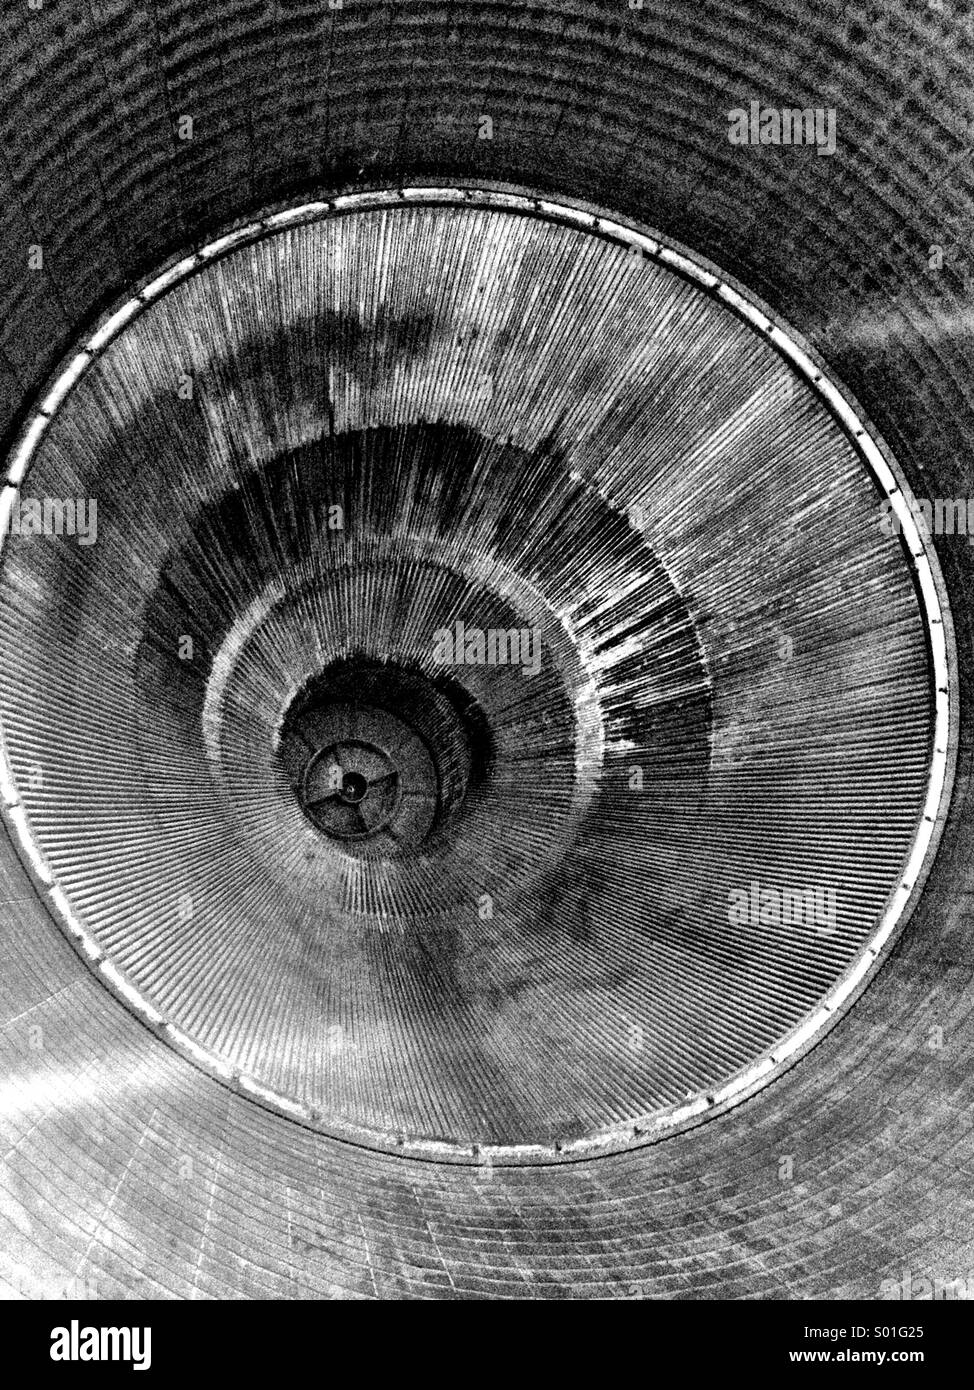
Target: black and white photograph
(486,667)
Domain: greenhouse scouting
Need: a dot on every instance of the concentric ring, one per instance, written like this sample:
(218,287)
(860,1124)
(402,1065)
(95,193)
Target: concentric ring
(697,286)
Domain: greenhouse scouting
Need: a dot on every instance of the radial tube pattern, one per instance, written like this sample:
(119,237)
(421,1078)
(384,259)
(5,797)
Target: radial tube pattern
(498,715)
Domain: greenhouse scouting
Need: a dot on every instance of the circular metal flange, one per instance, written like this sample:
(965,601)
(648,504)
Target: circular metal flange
(379,787)
(827,406)
(351,790)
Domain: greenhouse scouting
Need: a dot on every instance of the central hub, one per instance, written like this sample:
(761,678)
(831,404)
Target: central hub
(368,776)
(350,788)
(381,757)
(354,787)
